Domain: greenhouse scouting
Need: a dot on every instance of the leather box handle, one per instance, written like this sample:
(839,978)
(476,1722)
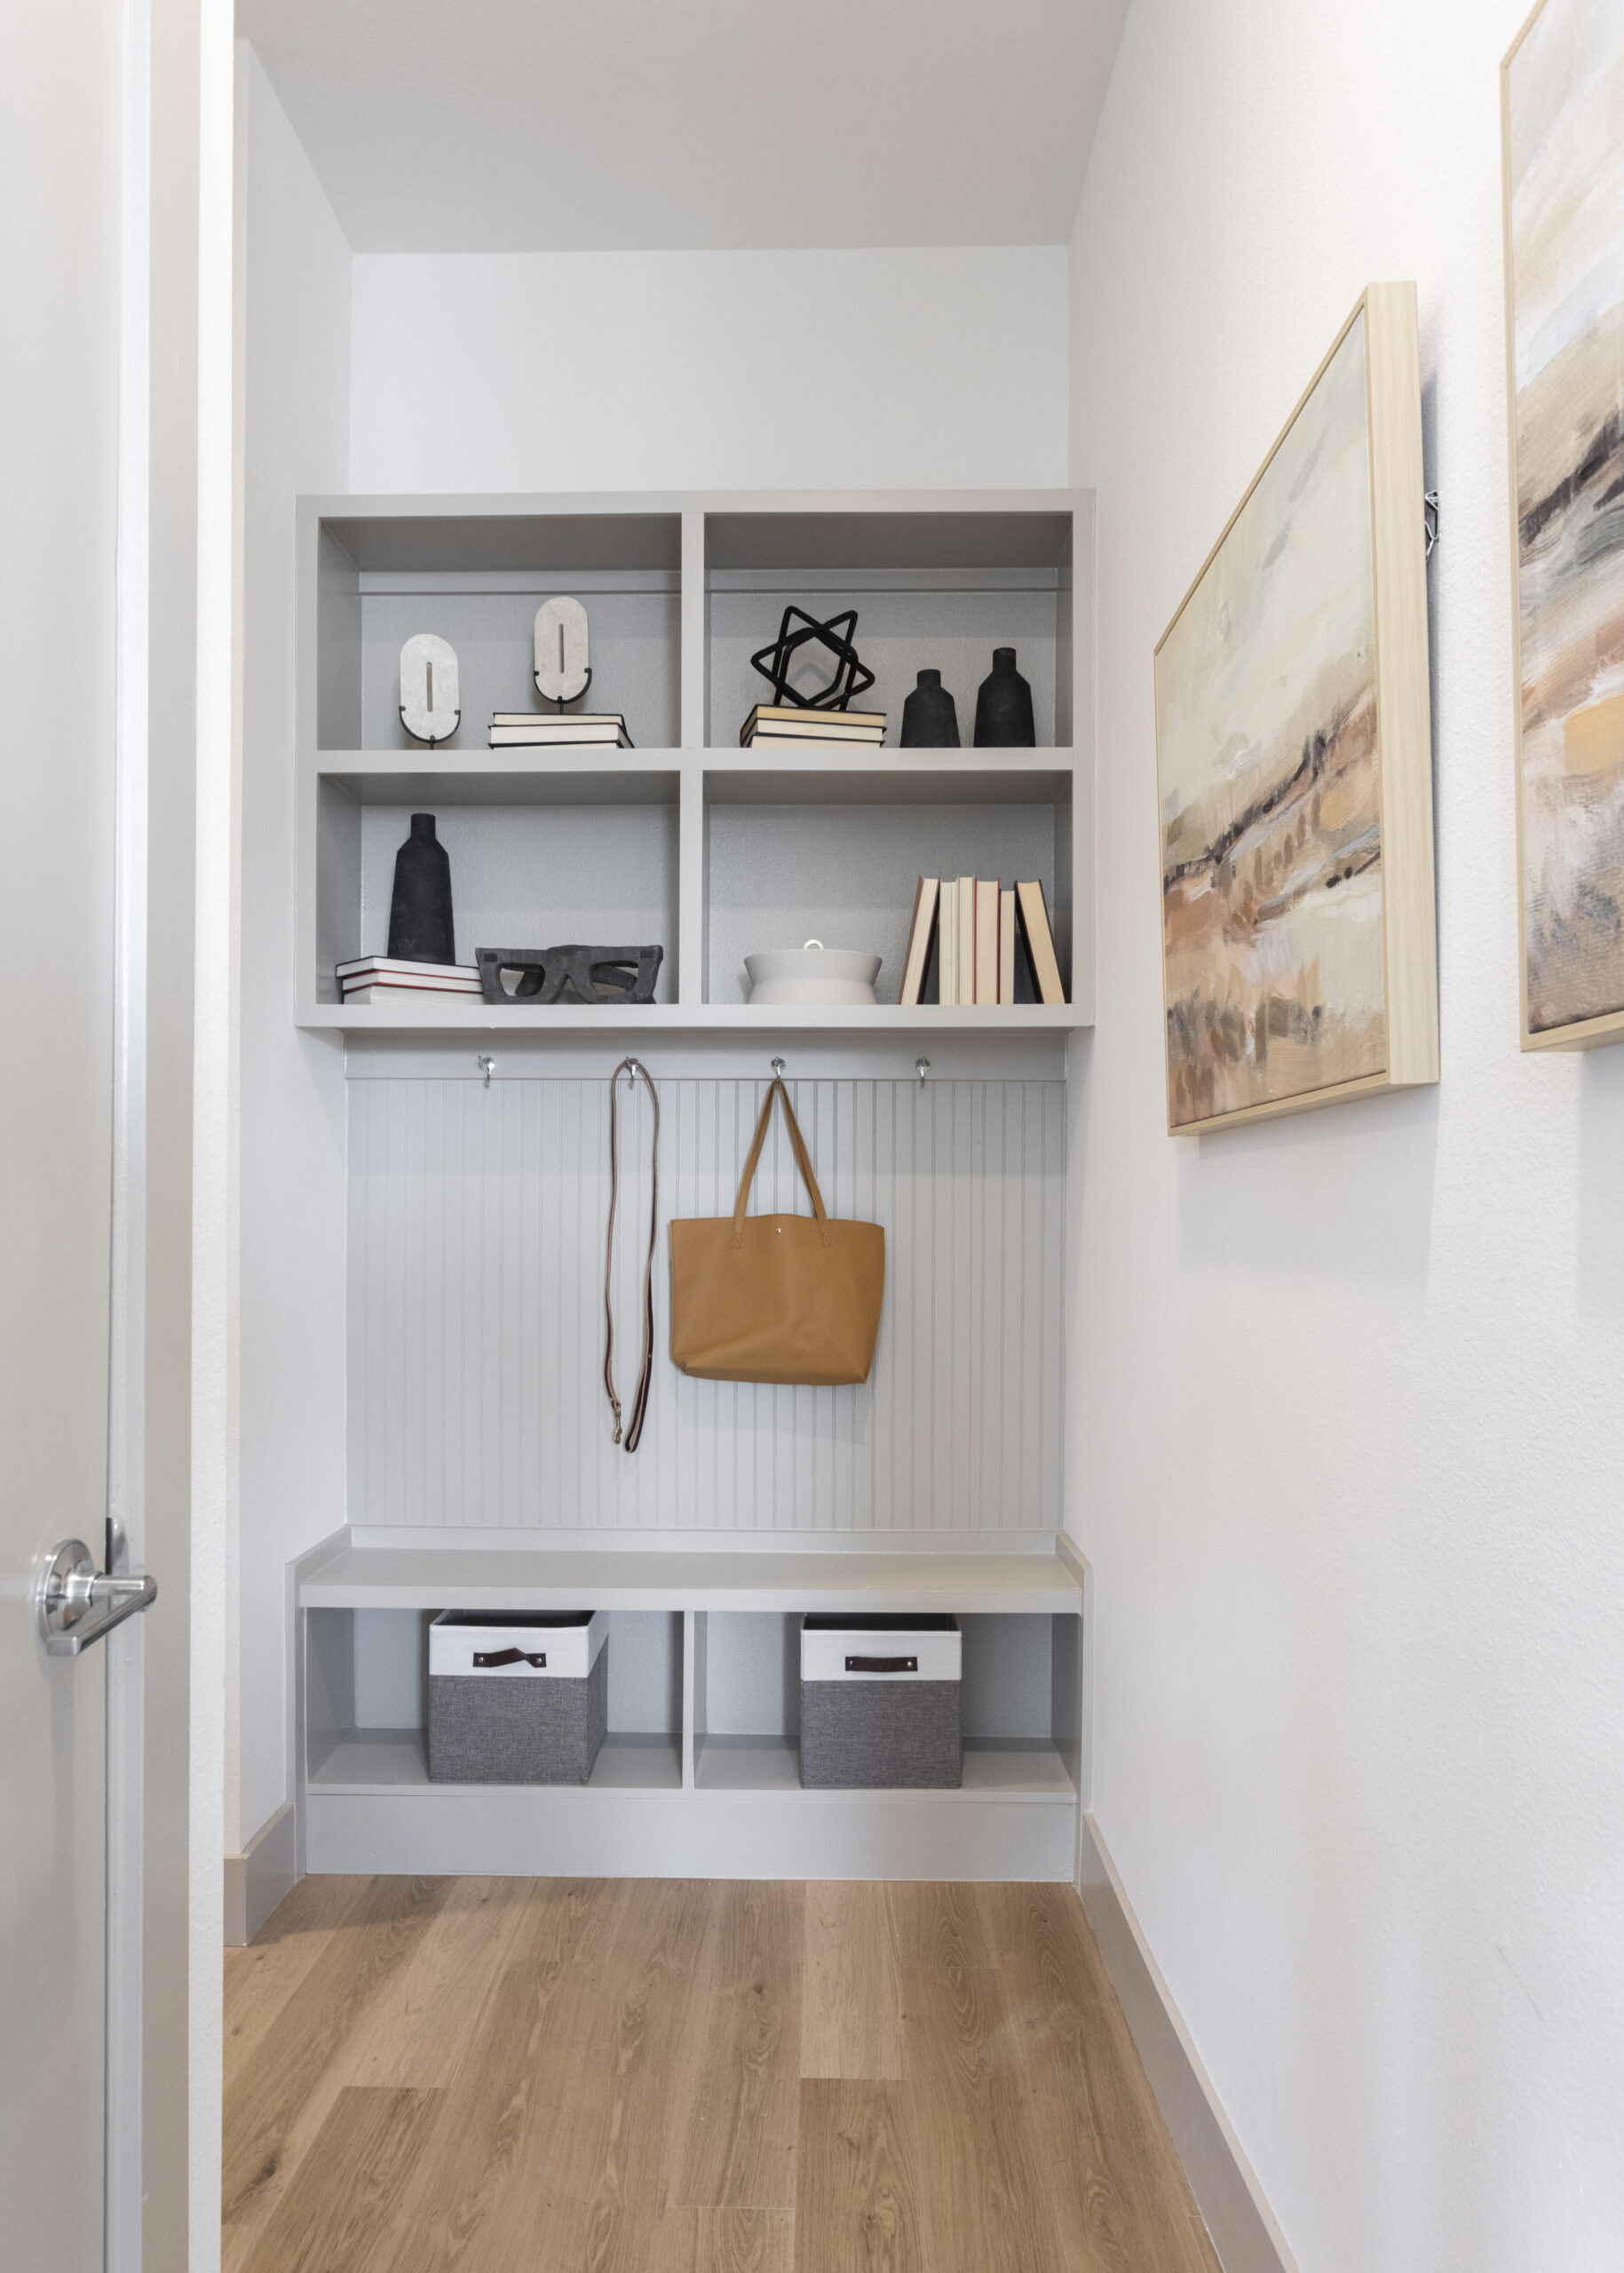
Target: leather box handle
(880,1665)
(510,1657)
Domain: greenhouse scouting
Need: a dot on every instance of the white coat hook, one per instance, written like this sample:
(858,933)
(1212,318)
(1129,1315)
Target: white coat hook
(921,1066)
(487,1067)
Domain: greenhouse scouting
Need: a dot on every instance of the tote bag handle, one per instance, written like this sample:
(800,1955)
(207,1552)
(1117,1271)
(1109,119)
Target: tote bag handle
(802,1160)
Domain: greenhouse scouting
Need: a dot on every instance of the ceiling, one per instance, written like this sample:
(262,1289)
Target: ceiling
(646,125)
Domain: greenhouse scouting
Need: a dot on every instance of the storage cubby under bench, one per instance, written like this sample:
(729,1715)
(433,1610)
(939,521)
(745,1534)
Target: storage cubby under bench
(700,1775)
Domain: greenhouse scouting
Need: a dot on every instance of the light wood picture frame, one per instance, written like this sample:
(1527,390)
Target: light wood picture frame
(1295,761)
(1562,119)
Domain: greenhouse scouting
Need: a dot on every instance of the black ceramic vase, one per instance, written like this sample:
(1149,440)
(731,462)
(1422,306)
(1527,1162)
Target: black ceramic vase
(420,925)
(930,719)
(1004,707)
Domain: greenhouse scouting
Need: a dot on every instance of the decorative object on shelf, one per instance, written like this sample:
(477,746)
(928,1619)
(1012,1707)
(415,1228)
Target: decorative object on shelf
(1004,707)
(930,715)
(1563,94)
(431,696)
(421,929)
(1293,751)
(376,978)
(776,1298)
(633,1428)
(563,672)
(780,725)
(596,974)
(813,973)
(517,1696)
(776,662)
(581,729)
(880,1702)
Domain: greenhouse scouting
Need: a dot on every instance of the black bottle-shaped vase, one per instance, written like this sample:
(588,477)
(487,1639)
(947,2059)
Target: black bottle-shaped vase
(1004,707)
(420,925)
(929,718)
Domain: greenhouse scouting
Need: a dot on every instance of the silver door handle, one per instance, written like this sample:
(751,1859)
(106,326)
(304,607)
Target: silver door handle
(75,1603)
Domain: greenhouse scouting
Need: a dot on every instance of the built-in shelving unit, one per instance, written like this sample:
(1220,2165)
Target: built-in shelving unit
(708,1655)
(713,850)
(474,1298)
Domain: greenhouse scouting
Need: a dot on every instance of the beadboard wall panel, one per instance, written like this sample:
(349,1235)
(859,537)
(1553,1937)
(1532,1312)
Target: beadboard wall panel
(477,1223)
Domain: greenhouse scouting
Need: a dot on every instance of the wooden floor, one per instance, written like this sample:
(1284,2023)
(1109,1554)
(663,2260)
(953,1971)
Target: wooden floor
(665,2076)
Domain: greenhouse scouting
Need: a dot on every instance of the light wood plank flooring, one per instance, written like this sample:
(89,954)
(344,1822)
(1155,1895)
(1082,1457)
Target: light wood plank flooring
(665,2076)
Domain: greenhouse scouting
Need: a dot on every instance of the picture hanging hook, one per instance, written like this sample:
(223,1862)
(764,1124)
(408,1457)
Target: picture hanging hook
(487,1067)
(1429,514)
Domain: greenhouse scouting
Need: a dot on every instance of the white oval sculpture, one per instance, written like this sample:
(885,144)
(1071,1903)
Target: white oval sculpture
(562,670)
(431,698)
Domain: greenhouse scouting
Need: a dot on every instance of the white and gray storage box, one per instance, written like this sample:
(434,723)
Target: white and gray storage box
(517,1696)
(880,1704)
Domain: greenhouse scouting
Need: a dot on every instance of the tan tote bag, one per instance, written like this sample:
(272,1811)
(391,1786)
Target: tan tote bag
(776,1298)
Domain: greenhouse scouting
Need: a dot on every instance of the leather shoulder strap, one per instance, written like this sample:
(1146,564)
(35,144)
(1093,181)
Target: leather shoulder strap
(633,1428)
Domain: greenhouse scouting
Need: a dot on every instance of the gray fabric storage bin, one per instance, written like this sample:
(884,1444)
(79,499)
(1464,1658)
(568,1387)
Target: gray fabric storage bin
(880,1704)
(517,1723)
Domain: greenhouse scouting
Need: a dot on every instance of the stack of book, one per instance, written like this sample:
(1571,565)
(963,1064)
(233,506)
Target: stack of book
(786,723)
(388,978)
(982,934)
(558,730)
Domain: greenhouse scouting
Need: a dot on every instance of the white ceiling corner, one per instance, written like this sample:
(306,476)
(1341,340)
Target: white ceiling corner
(650,125)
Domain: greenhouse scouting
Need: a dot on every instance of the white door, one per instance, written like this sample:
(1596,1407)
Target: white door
(59,277)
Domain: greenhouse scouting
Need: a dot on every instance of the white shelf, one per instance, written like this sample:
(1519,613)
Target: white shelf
(578,776)
(847,1578)
(1015,1767)
(571,1021)
(397,1759)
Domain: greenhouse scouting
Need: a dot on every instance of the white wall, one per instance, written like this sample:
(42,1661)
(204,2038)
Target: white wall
(1347,1423)
(296,279)
(710,369)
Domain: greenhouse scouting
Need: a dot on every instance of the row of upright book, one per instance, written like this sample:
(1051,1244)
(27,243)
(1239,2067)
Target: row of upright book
(984,934)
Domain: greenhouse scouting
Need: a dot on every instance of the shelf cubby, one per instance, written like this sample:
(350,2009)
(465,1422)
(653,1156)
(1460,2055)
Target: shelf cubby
(835,854)
(387,571)
(932,588)
(537,858)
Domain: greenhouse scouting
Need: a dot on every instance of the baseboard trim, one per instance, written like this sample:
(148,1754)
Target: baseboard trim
(1244,2229)
(256,1880)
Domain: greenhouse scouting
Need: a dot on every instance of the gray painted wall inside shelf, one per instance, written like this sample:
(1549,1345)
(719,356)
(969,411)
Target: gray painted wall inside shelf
(779,875)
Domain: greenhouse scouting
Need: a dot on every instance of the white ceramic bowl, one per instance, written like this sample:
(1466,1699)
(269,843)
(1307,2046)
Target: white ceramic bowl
(813,973)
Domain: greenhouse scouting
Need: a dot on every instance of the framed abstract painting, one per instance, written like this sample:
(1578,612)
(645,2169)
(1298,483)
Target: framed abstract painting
(1563,112)
(1294,763)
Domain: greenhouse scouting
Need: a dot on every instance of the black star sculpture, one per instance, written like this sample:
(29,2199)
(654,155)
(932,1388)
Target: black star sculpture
(851,675)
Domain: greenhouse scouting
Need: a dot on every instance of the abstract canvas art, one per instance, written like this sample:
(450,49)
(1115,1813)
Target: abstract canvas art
(1563,118)
(1293,761)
